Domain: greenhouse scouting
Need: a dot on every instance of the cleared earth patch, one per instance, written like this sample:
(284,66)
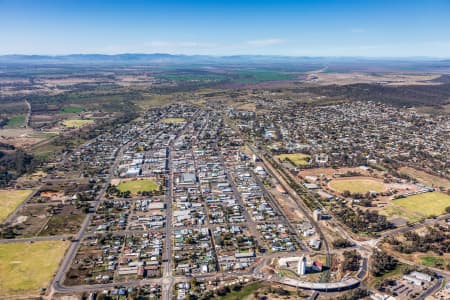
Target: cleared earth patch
(173,120)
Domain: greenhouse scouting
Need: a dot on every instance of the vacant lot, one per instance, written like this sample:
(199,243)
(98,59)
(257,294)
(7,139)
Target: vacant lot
(357,185)
(395,211)
(76,123)
(134,186)
(9,200)
(325,78)
(173,120)
(27,267)
(425,178)
(426,204)
(71,110)
(297,159)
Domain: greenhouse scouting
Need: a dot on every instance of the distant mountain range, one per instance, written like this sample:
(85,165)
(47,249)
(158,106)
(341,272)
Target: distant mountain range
(163,58)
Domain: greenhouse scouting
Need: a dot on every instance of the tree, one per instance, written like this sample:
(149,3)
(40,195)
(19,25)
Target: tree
(382,263)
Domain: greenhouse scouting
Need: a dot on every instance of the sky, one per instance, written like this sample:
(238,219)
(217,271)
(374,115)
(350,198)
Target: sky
(375,28)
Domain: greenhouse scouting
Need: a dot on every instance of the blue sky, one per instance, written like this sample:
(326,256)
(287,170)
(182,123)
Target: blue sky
(391,28)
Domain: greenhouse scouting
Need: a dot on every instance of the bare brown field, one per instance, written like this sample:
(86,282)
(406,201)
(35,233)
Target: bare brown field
(46,118)
(329,172)
(246,106)
(426,178)
(67,81)
(384,79)
(20,137)
(13,80)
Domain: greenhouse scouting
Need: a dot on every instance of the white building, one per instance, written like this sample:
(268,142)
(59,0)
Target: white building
(302,266)
(317,214)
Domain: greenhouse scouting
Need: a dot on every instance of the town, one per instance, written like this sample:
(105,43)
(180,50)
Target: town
(193,201)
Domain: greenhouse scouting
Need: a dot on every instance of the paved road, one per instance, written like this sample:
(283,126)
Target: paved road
(37,239)
(401,230)
(168,280)
(431,290)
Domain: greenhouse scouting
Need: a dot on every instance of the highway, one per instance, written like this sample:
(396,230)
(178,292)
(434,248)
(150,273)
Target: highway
(37,239)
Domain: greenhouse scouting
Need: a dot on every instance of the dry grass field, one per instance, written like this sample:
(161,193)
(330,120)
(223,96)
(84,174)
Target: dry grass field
(10,200)
(27,267)
(76,123)
(298,159)
(426,204)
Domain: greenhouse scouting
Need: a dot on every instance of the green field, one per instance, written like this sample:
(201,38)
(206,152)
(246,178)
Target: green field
(434,261)
(71,110)
(76,123)
(231,76)
(298,159)
(134,186)
(426,204)
(10,200)
(193,77)
(27,267)
(396,273)
(16,121)
(394,211)
(255,76)
(173,120)
(357,185)
(245,292)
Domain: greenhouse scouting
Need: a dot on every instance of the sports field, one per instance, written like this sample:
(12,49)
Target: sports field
(76,123)
(9,200)
(27,267)
(357,185)
(426,204)
(298,159)
(134,186)
(173,120)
